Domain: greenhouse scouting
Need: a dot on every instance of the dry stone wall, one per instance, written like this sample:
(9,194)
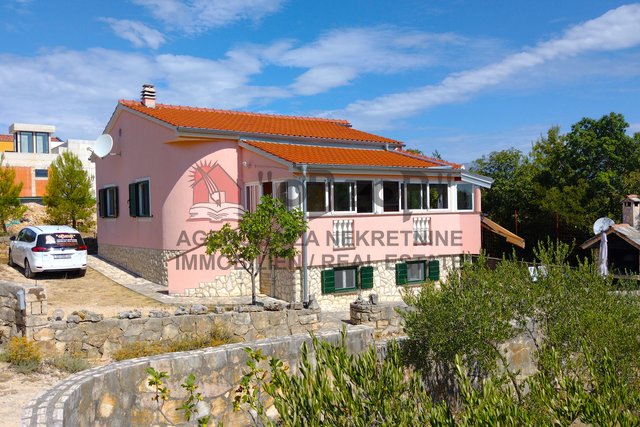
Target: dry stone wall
(119,394)
(148,263)
(16,321)
(98,338)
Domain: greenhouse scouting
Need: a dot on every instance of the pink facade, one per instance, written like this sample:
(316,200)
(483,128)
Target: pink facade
(197,181)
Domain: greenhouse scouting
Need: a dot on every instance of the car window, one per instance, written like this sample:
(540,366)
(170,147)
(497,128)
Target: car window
(29,236)
(20,237)
(60,240)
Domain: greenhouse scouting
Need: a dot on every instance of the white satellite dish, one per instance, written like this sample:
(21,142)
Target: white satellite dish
(601,225)
(104,144)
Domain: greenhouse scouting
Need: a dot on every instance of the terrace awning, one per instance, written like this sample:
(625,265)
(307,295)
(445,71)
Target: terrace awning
(501,231)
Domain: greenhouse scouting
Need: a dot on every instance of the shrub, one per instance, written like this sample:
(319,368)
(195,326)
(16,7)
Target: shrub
(71,363)
(479,308)
(23,354)
(217,336)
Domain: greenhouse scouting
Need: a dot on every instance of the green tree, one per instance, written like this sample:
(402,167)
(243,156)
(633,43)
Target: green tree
(68,194)
(270,231)
(10,206)
(584,174)
(510,197)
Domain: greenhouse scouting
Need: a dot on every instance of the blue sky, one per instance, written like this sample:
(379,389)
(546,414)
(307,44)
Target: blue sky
(461,77)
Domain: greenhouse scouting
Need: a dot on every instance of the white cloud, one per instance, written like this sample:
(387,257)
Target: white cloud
(616,29)
(136,32)
(339,56)
(77,90)
(194,16)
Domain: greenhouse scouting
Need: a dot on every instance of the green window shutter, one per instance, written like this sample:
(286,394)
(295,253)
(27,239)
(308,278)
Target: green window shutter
(116,201)
(102,205)
(327,277)
(434,270)
(133,200)
(401,273)
(366,277)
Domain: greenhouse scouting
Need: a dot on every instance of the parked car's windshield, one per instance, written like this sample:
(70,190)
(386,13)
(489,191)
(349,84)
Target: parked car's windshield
(60,240)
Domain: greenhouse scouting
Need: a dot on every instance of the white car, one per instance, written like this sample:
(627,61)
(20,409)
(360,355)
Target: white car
(48,248)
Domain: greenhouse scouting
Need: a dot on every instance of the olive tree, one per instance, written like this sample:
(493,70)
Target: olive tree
(270,231)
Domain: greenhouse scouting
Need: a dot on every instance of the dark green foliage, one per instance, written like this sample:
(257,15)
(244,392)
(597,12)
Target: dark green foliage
(480,308)
(68,195)
(270,231)
(331,387)
(10,206)
(566,182)
(334,388)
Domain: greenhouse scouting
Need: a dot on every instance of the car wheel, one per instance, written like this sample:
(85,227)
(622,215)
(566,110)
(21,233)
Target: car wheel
(27,270)
(81,273)
(11,263)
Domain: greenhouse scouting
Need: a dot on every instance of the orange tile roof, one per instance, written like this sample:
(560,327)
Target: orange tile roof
(254,123)
(322,155)
(6,138)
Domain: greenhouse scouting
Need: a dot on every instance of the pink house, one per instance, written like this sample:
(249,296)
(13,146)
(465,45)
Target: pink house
(380,218)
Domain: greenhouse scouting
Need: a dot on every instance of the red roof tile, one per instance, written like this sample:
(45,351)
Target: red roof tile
(6,138)
(321,155)
(254,123)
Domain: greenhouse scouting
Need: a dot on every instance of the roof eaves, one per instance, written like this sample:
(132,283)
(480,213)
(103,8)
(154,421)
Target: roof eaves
(123,107)
(263,153)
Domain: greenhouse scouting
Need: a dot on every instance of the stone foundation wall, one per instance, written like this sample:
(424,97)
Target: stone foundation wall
(98,338)
(118,394)
(150,264)
(384,284)
(17,322)
(234,283)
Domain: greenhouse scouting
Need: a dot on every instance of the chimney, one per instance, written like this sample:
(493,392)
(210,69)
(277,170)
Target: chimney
(631,211)
(148,96)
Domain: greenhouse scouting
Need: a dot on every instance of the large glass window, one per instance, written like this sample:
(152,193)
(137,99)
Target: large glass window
(391,196)
(438,196)
(42,142)
(344,196)
(345,278)
(465,197)
(417,196)
(316,197)
(26,142)
(365,196)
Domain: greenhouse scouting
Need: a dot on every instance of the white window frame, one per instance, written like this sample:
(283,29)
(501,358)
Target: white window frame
(448,192)
(424,186)
(353,196)
(473,201)
(327,195)
(400,196)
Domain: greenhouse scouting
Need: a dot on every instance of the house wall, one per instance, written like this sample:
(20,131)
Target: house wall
(167,247)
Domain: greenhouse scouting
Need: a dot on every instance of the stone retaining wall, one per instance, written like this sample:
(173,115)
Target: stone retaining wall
(98,338)
(17,322)
(119,394)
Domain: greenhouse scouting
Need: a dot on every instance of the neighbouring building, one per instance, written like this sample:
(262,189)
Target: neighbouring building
(31,148)
(623,241)
(380,218)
